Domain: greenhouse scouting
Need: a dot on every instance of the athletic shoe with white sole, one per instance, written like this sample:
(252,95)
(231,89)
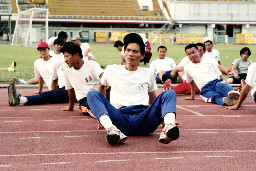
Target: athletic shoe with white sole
(229,102)
(19,81)
(12,67)
(234,95)
(169,133)
(115,136)
(13,96)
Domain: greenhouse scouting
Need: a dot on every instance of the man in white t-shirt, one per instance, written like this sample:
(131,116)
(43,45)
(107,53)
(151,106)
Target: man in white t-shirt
(86,50)
(212,53)
(250,85)
(81,76)
(120,47)
(63,35)
(206,75)
(163,66)
(56,54)
(57,93)
(132,90)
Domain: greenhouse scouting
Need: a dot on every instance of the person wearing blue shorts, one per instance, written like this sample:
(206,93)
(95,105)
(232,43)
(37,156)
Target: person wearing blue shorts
(206,75)
(134,108)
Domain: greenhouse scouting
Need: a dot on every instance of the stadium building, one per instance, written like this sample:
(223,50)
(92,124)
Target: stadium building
(110,20)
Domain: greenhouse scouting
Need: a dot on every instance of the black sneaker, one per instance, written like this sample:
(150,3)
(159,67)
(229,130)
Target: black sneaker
(115,136)
(169,133)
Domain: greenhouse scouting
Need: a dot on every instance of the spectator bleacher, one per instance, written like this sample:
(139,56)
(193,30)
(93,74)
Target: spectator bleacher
(5,7)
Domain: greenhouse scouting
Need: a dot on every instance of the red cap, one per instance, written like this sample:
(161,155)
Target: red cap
(42,45)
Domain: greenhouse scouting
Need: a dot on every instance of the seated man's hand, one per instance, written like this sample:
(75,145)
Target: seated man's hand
(67,109)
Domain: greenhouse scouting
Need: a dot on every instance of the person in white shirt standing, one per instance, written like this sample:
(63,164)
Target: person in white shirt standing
(86,50)
(206,75)
(56,93)
(163,66)
(134,108)
(81,76)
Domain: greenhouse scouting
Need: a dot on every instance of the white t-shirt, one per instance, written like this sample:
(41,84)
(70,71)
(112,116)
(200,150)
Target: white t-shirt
(50,42)
(165,64)
(251,77)
(184,61)
(56,57)
(59,69)
(128,87)
(83,80)
(202,73)
(84,47)
(214,55)
(44,69)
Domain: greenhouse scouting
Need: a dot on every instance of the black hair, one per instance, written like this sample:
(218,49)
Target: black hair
(63,35)
(118,43)
(162,47)
(190,46)
(72,48)
(243,50)
(208,41)
(202,45)
(134,38)
(58,41)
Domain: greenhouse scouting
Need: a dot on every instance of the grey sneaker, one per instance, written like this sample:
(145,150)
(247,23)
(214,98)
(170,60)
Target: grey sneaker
(115,136)
(19,81)
(234,95)
(169,133)
(13,96)
(229,102)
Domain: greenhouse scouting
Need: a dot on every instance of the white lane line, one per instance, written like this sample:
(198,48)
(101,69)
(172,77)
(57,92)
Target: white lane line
(219,156)
(107,161)
(77,116)
(246,131)
(13,121)
(89,119)
(50,120)
(55,163)
(127,153)
(171,158)
(5,165)
(207,132)
(13,117)
(26,132)
(199,114)
(78,136)
(26,138)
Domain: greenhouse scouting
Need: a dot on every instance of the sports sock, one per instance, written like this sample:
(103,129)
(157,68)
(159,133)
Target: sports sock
(164,78)
(23,100)
(169,118)
(105,121)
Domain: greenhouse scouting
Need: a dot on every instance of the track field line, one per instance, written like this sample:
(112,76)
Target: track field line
(197,113)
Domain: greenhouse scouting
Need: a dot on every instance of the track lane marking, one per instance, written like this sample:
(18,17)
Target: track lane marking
(171,158)
(107,161)
(13,121)
(198,114)
(58,163)
(219,156)
(207,132)
(74,136)
(5,165)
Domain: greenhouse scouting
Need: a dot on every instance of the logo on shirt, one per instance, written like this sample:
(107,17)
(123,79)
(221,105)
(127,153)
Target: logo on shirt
(88,79)
(143,86)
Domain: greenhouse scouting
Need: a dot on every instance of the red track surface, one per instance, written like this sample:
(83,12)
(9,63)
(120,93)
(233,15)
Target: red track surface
(46,138)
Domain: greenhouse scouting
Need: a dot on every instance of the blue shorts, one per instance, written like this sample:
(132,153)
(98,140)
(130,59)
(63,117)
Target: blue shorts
(169,76)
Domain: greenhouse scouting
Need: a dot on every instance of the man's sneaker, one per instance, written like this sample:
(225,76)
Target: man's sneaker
(229,102)
(115,136)
(234,95)
(167,84)
(13,96)
(19,81)
(169,133)
(12,67)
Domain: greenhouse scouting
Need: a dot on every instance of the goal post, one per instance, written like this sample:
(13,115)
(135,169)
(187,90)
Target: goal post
(31,27)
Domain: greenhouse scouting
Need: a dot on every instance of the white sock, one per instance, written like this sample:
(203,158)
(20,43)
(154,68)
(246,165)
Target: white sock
(169,118)
(105,121)
(23,100)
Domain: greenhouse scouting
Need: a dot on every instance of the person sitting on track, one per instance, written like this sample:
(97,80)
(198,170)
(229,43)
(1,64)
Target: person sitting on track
(81,76)
(250,84)
(207,76)
(163,66)
(57,93)
(132,89)
(240,66)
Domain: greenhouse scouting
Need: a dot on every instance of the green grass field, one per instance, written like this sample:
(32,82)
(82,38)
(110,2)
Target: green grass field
(105,54)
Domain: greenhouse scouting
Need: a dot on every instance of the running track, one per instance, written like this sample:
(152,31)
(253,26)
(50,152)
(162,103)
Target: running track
(46,138)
